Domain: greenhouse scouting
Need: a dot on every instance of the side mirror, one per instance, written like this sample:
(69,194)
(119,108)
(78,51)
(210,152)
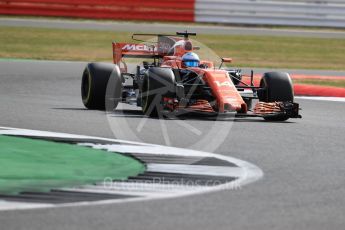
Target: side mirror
(226,60)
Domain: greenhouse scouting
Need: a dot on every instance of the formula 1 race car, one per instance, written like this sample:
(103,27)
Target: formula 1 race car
(176,81)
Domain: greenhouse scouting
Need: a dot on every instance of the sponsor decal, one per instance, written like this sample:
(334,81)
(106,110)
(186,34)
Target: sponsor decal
(138,47)
(223,84)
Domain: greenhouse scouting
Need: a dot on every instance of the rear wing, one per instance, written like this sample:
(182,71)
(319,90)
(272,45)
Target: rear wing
(133,50)
(166,45)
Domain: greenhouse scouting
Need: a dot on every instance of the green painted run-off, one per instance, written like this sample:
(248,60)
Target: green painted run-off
(39,165)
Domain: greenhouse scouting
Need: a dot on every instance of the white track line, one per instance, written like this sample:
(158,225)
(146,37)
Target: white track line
(333,99)
(11,205)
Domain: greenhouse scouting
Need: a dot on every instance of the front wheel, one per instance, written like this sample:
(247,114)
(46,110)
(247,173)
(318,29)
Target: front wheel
(150,102)
(158,83)
(276,87)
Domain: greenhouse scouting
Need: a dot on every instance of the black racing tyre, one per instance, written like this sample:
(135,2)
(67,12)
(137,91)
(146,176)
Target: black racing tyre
(249,103)
(277,86)
(101,86)
(158,82)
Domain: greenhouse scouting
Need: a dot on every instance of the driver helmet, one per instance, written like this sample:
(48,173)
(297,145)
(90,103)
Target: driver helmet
(190,59)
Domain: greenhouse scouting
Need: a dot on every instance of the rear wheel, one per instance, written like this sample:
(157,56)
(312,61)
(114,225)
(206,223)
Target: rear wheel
(101,86)
(276,86)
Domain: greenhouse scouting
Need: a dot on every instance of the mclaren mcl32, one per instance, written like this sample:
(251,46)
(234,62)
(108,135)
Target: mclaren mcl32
(176,81)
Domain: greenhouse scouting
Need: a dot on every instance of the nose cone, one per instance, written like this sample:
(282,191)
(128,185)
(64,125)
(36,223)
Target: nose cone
(228,98)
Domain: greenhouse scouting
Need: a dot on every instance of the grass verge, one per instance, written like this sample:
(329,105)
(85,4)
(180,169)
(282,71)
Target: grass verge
(38,165)
(249,51)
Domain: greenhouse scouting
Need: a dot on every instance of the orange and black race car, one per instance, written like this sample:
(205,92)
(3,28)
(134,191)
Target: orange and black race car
(176,81)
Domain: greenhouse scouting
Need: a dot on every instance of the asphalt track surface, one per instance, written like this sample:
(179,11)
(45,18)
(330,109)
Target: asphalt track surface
(137,27)
(303,161)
